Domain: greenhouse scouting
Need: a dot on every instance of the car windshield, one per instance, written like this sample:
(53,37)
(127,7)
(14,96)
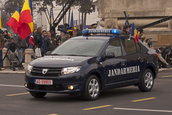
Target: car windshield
(79,47)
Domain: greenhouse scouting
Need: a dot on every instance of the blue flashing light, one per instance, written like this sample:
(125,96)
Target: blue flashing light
(85,32)
(115,31)
(101,31)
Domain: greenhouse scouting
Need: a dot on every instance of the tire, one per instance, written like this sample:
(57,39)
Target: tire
(146,82)
(38,94)
(92,88)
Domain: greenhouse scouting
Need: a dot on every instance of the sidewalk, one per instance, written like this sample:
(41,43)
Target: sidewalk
(9,71)
(165,69)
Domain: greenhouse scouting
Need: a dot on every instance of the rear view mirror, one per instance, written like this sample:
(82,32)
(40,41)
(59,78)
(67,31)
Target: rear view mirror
(110,54)
(48,53)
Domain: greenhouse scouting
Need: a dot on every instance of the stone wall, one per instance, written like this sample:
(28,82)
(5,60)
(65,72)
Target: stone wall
(136,8)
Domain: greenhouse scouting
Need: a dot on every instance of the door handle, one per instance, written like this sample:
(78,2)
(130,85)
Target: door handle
(123,63)
(140,59)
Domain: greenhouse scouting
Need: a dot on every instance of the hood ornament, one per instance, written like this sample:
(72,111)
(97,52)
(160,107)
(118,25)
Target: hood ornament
(44,71)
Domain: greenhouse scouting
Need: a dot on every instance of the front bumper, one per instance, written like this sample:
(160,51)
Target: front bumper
(60,84)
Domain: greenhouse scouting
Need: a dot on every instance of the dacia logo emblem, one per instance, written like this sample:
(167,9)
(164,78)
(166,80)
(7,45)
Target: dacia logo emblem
(44,71)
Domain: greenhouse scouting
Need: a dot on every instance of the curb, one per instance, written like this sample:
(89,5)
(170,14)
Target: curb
(165,69)
(11,72)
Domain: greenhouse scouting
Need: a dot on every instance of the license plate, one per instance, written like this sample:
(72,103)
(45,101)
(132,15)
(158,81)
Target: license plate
(43,82)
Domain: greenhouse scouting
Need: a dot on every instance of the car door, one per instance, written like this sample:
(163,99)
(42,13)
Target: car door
(133,59)
(113,62)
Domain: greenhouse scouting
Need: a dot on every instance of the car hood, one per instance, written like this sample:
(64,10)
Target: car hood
(59,61)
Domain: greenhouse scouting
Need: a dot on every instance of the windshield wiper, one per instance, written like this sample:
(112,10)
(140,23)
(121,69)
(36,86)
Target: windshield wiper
(54,54)
(76,55)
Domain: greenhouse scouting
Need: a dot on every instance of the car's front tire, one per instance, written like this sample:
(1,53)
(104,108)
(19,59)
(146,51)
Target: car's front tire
(38,94)
(146,82)
(92,88)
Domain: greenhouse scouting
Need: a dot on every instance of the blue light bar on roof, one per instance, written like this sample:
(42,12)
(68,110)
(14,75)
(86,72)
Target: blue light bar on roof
(101,31)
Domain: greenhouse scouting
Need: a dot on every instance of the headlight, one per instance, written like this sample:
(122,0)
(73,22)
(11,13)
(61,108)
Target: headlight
(29,68)
(69,70)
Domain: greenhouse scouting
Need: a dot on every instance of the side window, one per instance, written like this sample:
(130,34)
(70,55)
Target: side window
(114,48)
(130,46)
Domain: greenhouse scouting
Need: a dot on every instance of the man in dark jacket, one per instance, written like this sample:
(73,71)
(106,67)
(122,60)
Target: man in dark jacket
(52,43)
(38,38)
(1,47)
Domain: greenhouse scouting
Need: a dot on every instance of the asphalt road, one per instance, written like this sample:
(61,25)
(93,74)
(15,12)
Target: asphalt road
(15,100)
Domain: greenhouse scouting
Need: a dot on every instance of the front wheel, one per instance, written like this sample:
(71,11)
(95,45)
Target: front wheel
(38,94)
(146,81)
(92,88)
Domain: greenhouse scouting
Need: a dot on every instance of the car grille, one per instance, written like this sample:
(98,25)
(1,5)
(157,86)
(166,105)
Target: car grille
(44,87)
(38,71)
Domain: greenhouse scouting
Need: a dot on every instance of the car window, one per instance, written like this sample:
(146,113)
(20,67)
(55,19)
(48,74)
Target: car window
(115,48)
(80,47)
(130,46)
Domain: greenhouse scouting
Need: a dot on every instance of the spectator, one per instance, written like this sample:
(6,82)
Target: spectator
(1,47)
(126,29)
(38,42)
(31,42)
(44,43)
(64,37)
(51,42)
(7,38)
(38,38)
(168,54)
(149,42)
(21,46)
(162,61)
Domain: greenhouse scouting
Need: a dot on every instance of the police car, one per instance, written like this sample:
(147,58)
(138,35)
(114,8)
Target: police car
(94,62)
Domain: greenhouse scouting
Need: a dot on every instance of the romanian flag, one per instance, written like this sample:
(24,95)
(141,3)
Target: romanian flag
(136,36)
(14,21)
(26,21)
(134,33)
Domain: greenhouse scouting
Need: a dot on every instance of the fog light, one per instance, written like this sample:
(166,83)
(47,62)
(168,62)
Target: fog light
(70,87)
(25,85)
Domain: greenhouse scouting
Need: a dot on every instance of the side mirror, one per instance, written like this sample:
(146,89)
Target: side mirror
(110,54)
(48,53)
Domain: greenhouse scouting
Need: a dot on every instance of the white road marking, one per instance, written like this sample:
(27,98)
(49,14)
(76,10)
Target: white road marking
(17,94)
(5,85)
(167,76)
(143,110)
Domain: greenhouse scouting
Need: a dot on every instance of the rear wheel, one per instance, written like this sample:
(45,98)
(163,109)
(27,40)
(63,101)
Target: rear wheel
(38,94)
(92,88)
(146,81)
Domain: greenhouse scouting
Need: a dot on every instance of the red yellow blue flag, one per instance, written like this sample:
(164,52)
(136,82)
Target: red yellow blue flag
(26,21)
(14,21)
